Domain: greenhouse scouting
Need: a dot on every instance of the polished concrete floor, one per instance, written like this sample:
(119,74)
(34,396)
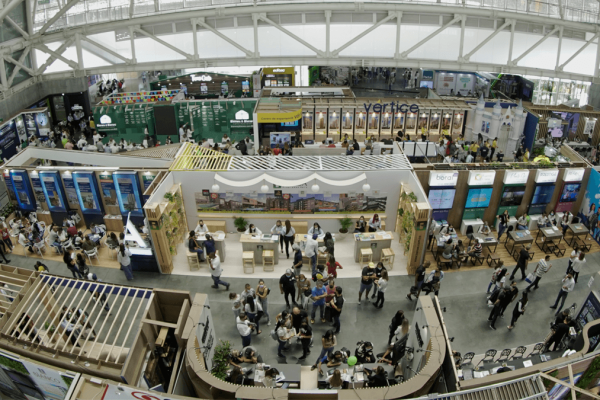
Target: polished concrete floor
(462,294)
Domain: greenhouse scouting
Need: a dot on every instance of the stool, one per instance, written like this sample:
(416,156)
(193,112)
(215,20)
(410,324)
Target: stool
(493,259)
(388,256)
(193,261)
(321,258)
(368,253)
(444,262)
(268,257)
(477,258)
(248,262)
(560,250)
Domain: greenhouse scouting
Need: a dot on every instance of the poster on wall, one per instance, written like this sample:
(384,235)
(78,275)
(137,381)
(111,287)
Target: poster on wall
(128,193)
(109,193)
(286,203)
(30,125)
(21,379)
(590,207)
(23,191)
(38,191)
(53,191)
(9,186)
(9,141)
(70,191)
(43,123)
(87,195)
(590,124)
(205,333)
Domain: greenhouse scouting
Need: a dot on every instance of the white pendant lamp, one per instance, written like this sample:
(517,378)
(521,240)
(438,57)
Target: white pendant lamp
(315,188)
(366,187)
(215,188)
(264,188)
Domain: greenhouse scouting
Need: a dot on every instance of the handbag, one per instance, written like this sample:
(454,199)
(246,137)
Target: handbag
(530,278)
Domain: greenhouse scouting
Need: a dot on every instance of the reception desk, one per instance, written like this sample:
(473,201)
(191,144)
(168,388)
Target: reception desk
(257,244)
(219,243)
(376,241)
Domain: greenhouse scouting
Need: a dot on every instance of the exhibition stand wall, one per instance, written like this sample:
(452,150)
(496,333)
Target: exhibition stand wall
(207,85)
(574,123)
(16,131)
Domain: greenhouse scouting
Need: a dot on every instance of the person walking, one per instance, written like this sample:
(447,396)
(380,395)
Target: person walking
(379,268)
(305,335)
(433,281)
(244,328)
(522,262)
(568,284)
(396,322)
(304,291)
(262,291)
(336,304)
(511,296)
(123,256)
(311,250)
(279,230)
(497,309)
(297,265)
(541,268)
(71,264)
(518,310)
(419,278)
(287,286)
(494,278)
(329,244)
(503,225)
(381,287)
(328,341)
(214,262)
(574,256)
(288,236)
(366,283)
(318,296)
(577,265)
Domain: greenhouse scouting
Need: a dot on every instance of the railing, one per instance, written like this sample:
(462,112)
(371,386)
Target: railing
(100,11)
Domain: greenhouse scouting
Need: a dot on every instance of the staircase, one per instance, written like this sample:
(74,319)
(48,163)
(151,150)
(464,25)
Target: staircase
(527,388)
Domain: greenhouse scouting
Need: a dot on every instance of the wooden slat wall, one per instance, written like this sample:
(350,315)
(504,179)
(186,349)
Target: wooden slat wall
(197,158)
(546,112)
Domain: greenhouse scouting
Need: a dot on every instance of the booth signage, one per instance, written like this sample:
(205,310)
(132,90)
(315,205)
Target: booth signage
(449,178)
(481,178)
(128,193)
(53,191)
(242,119)
(201,78)
(107,124)
(394,107)
(280,117)
(546,175)
(514,177)
(23,190)
(574,174)
(87,193)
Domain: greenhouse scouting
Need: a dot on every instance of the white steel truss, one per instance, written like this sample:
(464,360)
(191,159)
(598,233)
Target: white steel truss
(320,163)
(399,15)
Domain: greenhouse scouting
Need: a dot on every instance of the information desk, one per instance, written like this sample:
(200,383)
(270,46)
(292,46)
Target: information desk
(517,237)
(302,238)
(290,371)
(486,240)
(577,230)
(475,223)
(258,243)
(114,223)
(219,243)
(142,259)
(549,235)
(354,375)
(490,368)
(376,241)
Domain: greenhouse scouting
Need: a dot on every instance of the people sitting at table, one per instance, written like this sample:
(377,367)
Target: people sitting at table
(332,359)
(566,221)
(335,380)
(375,223)
(364,353)
(315,230)
(271,377)
(459,253)
(88,245)
(476,250)
(448,248)
(485,229)
(201,228)
(112,240)
(360,225)
(236,376)
(194,247)
(98,231)
(447,230)
(552,218)
(523,222)
(378,379)
(78,240)
(543,221)
(252,230)
(24,241)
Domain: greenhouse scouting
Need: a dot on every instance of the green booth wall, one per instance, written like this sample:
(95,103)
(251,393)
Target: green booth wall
(129,121)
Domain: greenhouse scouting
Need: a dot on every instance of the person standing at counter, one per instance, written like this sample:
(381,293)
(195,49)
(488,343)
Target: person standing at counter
(123,256)
(311,249)
(216,271)
(288,237)
(252,230)
(201,228)
(375,223)
(278,229)
(209,244)
(315,230)
(194,247)
(287,286)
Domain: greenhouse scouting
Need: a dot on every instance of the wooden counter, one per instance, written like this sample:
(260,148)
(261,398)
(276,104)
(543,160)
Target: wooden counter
(258,245)
(376,244)
(44,217)
(114,224)
(219,244)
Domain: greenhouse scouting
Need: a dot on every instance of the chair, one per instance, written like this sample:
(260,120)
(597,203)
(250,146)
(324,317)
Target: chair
(116,249)
(490,353)
(444,262)
(537,349)
(366,253)
(550,246)
(575,220)
(559,250)
(248,262)
(193,261)
(468,358)
(38,247)
(47,240)
(92,253)
(519,352)
(470,233)
(582,244)
(68,244)
(268,258)
(388,257)
(477,258)
(492,259)
(510,229)
(504,355)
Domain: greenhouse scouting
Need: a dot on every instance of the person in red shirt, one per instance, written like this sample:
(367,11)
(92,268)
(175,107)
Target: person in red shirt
(331,145)
(332,265)
(276,150)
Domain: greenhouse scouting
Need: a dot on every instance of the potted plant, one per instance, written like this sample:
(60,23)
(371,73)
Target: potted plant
(221,359)
(345,224)
(169,196)
(240,223)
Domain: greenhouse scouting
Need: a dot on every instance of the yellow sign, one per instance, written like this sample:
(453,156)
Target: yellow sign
(279,70)
(289,116)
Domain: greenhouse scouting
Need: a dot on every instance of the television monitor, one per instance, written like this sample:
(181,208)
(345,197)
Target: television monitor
(512,196)
(570,192)
(293,123)
(542,194)
(280,139)
(479,197)
(426,84)
(441,198)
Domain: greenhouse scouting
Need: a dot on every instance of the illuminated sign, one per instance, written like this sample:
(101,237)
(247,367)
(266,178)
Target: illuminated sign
(546,175)
(574,174)
(394,107)
(514,177)
(278,70)
(242,115)
(201,78)
(448,178)
(481,178)
(105,119)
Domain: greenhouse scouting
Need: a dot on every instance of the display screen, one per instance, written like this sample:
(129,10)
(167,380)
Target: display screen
(479,197)
(512,196)
(542,194)
(570,192)
(427,84)
(293,123)
(441,198)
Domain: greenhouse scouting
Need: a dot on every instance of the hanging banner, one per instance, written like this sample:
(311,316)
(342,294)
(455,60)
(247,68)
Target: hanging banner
(30,125)
(9,186)
(70,191)
(128,193)
(87,192)
(23,190)
(109,194)
(147,179)
(55,197)
(43,123)
(38,191)
(9,142)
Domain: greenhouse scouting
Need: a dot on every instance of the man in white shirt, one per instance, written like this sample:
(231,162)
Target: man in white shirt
(568,283)
(201,228)
(541,268)
(469,158)
(216,271)
(311,249)
(181,134)
(243,326)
